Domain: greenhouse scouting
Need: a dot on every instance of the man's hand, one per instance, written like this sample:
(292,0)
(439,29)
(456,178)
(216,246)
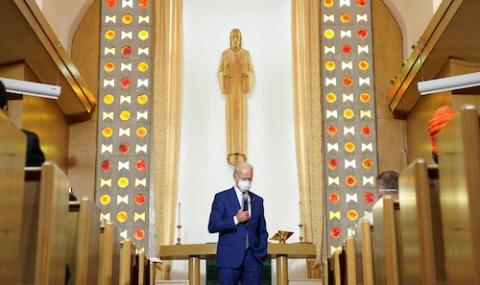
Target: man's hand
(242,216)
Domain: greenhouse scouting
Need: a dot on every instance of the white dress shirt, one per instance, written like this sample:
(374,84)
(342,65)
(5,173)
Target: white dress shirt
(239,194)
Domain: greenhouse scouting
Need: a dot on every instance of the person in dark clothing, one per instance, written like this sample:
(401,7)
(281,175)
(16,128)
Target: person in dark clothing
(387,184)
(35,156)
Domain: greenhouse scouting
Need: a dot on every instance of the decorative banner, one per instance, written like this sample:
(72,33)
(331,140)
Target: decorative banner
(123,152)
(349,115)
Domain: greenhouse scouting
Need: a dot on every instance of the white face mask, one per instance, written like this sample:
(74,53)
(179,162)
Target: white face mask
(244,185)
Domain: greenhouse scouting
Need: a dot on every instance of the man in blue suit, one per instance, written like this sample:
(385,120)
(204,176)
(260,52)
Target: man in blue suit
(237,215)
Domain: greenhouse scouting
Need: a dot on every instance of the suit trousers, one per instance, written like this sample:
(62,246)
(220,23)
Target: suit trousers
(249,273)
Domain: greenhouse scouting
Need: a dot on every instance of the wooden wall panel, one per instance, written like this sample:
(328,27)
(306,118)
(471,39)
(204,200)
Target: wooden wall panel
(388,56)
(83,135)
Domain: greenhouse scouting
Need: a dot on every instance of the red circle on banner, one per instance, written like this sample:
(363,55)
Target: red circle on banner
(362,33)
(123,148)
(335,232)
(139,199)
(106,165)
(110,3)
(334,197)
(369,197)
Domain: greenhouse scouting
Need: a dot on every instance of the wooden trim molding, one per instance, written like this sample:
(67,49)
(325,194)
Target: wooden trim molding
(165,144)
(308,117)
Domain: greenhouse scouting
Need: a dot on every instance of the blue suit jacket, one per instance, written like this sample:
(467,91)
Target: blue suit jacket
(232,238)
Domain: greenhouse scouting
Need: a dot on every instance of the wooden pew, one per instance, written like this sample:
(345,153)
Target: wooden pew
(109,255)
(340,267)
(325,273)
(127,255)
(28,250)
(367,259)
(385,249)
(45,209)
(84,223)
(51,248)
(337,275)
(363,252)
(12,161)
(143,269)
(134,266)
(459,166)
(422,243)
(351,275)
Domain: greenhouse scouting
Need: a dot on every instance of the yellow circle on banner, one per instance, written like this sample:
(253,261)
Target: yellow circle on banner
(122,216)
(107,132)
(143,35)
(141,132)
(108,99)
(328,3)
(352,215)
(329,34)
(127,19)
(364,97)
(125,115)
(142,66)
(363,65)
(105,199)
(109,66)
(330,65)
(123,182)
(345,17)
(331,97)
(367,163)
(110,34)
(348,113)
(349,147)
(142,99)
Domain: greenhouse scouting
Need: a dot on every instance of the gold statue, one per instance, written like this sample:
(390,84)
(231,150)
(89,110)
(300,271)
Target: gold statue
(236,78)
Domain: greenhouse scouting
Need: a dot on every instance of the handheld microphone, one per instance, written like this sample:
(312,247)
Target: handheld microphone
(245,203)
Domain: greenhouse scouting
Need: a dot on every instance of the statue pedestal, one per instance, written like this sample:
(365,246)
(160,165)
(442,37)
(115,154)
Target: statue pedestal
(281,252)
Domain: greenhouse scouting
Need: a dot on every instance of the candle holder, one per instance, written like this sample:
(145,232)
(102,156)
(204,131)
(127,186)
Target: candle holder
(179,234)
(300,238)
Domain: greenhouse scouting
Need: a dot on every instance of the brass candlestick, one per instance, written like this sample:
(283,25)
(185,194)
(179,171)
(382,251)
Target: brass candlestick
(179,234)
(300,228)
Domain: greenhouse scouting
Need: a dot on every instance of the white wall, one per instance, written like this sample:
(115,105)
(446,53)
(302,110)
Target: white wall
(413,17)
(64,17)
(203,170)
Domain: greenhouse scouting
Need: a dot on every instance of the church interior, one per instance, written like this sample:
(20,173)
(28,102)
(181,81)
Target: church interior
(122,122)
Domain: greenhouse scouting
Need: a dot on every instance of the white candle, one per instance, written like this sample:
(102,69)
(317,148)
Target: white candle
(300,212)
(179,217)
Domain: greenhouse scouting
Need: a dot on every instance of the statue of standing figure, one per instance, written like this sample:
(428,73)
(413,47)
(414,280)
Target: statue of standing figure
(236,78)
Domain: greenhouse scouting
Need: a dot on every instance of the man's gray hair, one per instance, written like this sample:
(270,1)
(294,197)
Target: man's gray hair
(240,166)
(387,180)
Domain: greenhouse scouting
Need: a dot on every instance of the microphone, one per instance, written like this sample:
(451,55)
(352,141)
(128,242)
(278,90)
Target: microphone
(245,202)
